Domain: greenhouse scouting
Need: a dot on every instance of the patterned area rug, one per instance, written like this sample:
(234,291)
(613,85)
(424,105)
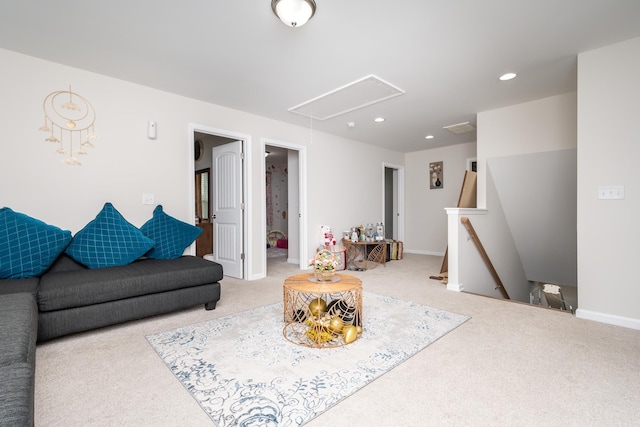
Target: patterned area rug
(242,371)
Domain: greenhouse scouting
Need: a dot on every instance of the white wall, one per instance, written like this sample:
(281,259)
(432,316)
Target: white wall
(293,166)
(426,219)
(608,153)
(125,164)
(543,126)
(547,124)
(537,193)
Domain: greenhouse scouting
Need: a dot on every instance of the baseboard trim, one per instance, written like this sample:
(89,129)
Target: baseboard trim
(456,287)
(413,251)
(611,319)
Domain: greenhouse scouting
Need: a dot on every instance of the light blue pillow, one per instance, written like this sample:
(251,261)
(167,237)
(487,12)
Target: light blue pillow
(108,241)
(28,246)
(171,236)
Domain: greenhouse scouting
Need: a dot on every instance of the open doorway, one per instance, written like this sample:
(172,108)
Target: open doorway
(217,197)
(284,204)
(277,204)
(393,201)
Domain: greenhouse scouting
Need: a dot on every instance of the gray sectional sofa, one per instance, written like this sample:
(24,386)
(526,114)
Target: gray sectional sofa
(70,298)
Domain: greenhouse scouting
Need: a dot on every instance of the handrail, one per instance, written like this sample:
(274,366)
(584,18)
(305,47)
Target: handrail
(472,232)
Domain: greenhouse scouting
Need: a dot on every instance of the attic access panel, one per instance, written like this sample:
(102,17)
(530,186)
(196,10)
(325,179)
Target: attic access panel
(359,94)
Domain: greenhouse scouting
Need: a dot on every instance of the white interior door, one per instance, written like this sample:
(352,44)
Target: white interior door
(226,208)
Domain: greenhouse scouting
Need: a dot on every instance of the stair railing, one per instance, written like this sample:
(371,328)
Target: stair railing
(476,240)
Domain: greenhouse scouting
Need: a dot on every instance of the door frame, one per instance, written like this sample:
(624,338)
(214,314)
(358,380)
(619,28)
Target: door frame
(246,185)
(302,194)
(400,196)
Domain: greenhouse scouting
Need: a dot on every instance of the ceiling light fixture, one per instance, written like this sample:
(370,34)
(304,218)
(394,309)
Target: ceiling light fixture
(351,124)
(379,119)
(294,13)
(508,76)
(428,137)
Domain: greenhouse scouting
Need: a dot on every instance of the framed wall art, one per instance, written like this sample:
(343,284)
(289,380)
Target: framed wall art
(436,174)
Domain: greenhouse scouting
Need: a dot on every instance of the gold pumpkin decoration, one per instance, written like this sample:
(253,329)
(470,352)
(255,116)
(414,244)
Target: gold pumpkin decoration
(336,324)
(317,307)
(349,334)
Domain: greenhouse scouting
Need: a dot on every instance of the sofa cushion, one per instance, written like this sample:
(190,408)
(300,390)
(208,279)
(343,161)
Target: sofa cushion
(28,246)
(69,289)
(170,235)
(108,241)
(27,285)
(65,263)
(18,329)
(17,398)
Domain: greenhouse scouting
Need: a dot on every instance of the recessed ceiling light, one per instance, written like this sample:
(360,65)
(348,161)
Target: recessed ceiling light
(508,76)
(379,119)
(428,137)
(351,124)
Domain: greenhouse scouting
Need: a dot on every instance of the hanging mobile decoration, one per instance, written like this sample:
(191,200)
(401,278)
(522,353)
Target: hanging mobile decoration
(72,115)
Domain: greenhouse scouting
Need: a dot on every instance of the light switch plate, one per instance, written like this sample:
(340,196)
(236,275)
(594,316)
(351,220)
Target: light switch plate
(147,199)
(611,192)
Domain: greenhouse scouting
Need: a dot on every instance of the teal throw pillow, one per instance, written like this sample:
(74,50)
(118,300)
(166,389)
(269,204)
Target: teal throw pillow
(108,241)
(28,246)
(171,236)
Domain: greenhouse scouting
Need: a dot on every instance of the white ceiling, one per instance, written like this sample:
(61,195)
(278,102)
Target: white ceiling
(446,55)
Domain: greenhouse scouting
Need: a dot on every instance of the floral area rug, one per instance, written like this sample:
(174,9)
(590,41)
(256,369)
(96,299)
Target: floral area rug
(242,371)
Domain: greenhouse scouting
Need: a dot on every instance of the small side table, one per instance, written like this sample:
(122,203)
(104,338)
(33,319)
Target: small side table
(322,314)
(360,257)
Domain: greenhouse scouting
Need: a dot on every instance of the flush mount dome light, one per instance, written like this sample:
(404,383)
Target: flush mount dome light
(294,13)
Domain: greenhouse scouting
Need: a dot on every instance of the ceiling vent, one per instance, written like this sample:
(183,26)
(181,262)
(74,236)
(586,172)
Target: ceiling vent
(361,93)
(460,128)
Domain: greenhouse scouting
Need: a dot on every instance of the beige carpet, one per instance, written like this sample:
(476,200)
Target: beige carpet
(511,364)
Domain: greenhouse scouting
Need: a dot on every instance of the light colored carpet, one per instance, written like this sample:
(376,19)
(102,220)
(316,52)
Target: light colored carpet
(243,372)
(277,252)
(510,364)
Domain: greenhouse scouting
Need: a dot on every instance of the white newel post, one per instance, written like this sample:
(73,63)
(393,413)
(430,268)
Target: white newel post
(457,236)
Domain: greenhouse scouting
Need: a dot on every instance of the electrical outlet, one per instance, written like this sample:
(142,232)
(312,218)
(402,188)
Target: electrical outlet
(147,199)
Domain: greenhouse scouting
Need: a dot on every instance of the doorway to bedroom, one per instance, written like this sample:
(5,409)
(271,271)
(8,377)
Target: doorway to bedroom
(283,213)
(218,197)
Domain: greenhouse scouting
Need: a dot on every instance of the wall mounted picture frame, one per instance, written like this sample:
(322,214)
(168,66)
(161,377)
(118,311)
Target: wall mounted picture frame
(436,175)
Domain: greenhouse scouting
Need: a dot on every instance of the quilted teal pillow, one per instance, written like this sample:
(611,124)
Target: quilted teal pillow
(28,246)
(170,235)
(108,241)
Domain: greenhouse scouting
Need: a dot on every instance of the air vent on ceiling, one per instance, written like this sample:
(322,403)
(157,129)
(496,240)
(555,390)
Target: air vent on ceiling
(460,128)
(361,93)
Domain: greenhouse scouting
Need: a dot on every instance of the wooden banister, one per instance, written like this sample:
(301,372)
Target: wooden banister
(472,232)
